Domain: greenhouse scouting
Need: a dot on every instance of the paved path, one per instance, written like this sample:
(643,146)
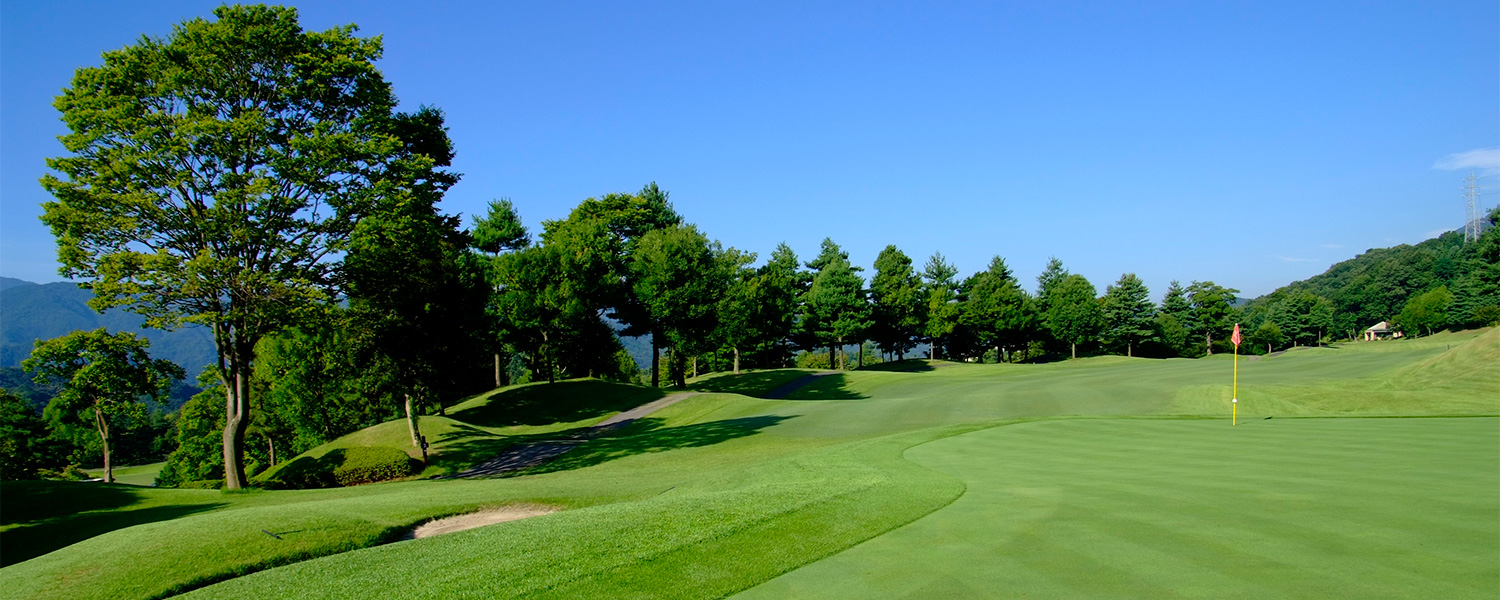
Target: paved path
(522,456)
(796,384)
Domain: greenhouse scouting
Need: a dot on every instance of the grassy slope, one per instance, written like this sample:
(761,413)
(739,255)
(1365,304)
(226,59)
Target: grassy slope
(691,468)
(144,475)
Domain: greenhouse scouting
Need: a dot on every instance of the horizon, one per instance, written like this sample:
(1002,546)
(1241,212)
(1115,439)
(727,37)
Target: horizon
(1153,141)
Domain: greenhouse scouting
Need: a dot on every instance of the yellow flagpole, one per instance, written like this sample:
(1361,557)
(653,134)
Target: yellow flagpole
(1236,393)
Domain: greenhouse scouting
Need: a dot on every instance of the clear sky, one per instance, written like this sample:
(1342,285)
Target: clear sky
(1252,144)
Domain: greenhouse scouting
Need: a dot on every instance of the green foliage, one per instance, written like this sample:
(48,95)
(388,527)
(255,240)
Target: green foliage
(1268,335)
(200,436)
(995,310)
(1073,313)
(835,311)
(215,175)
(500,229)
(1212,317)
(340,467)
(1376,285)
(1425,312)
(202,484)
(778,288)
(371,464)
(897,304)
(942,310)
(679,276)
(1128,313)
(104,378)
(24,445)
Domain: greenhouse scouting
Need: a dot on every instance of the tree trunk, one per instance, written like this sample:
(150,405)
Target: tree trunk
(236,412)
(832,356)
(498,381)
(415,428)
(102,426)
(736,360)
(1075,350)
(1208,342)
(547,359)
(271,447)
(695,366)
(655,361)
(861,356)
(1129,349)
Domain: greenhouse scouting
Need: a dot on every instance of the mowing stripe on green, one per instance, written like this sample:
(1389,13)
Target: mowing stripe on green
(1296,508)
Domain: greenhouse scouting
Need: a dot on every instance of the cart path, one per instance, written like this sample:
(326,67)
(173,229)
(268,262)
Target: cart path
(531,454)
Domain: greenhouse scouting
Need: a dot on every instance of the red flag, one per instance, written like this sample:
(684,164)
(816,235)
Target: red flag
(1236,336)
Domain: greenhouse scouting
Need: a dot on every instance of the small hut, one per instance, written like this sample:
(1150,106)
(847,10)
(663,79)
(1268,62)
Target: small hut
(1381,331)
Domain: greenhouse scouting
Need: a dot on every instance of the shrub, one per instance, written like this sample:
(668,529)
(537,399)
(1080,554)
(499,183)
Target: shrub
(369,464)
(202,484)
(344,466)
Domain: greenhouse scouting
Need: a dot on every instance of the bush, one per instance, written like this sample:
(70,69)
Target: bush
(202,484)
(369,464)
(341,467)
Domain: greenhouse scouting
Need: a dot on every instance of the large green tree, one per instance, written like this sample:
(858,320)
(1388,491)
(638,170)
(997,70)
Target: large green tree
(995,310)
(1426,311)
(897,304)
(104,377)
(498,231)
(24,445)
(1073,313)
(680,276)
(596,242)
(836,304)
(213,176)
(417,303)
(942,303)
(1213,313)
(1129,316)
(780,285)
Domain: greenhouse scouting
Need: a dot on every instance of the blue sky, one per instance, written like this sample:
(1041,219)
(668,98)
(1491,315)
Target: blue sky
(1252,144)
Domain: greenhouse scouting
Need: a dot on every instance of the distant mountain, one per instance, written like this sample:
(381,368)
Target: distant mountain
(10,282)
(32,311)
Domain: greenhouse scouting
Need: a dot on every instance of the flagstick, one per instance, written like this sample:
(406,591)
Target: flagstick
(1236,392)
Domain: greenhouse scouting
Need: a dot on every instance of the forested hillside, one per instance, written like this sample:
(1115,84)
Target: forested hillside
(1379,284)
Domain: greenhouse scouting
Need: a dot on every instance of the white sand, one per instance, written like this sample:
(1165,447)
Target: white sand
(479,519)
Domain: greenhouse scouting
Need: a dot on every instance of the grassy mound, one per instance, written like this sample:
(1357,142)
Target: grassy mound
(341,467)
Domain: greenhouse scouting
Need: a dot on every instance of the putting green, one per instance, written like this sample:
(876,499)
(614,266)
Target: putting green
(1137,508)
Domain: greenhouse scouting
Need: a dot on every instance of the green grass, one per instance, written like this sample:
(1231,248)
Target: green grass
(1295,508)
(144,475)
(723,491)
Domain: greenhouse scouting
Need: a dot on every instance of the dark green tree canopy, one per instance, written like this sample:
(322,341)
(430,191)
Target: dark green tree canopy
(214,176)
(500,229)
(104,377)
(1073,312)
(897,302)
(1128,314)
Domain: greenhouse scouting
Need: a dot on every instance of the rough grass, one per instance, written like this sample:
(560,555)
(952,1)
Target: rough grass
(717,493)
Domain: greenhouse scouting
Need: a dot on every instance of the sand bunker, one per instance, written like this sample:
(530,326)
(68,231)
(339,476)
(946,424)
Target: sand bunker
(479,519)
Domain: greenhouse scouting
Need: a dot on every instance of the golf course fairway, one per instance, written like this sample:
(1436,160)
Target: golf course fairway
(1376,475)
(1133,508)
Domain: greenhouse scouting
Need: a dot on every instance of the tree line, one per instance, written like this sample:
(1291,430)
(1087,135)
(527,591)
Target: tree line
(257,179)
